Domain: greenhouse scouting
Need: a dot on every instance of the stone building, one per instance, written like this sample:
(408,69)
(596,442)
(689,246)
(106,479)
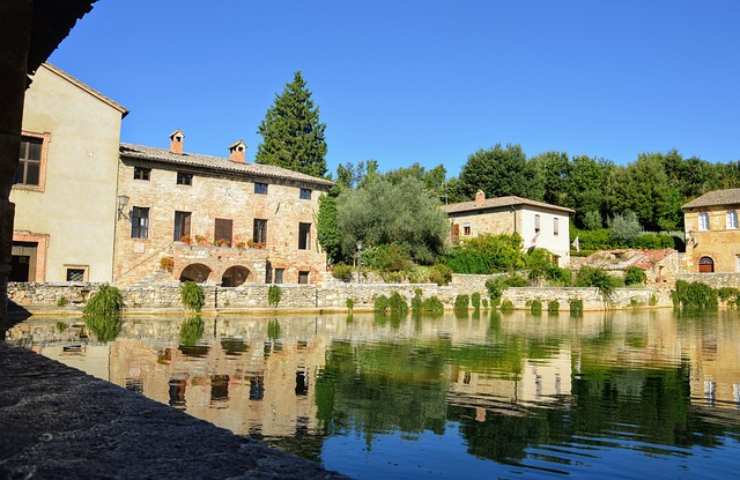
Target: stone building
(65,185)
(215,220)
(540,224)
(712,235)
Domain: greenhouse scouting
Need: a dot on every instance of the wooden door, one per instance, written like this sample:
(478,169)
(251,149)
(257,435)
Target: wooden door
(455,233)
(706,265)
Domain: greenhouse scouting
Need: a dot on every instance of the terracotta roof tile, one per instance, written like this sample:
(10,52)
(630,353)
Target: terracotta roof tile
(729,196)
(220,164)
(498,202)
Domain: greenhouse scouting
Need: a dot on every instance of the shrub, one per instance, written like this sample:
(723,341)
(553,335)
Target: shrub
(653,300)
(516,280)
(417,302)
(634,276)
(380,304)
(440,274)
(650,240)
(107,301)
(487,254)
(192,296)
(398,305)
(62,302)
(507,306)
(485,303)
(553,307)
(536,307)
(475,300)
(592,220)
(432,306)
(694,296)
(635,302)
(274,295)
(462,302)
(559,276)
(596,277)
(350,304)
(496,286)
(167,264)
(342,272)
(191,331)
(727,293)
(387,258)
(624,227)
(538,262)
(576,307)
(105,327)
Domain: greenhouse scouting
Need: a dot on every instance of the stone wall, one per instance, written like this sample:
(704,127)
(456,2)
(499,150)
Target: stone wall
(473,281)
(37,297)
(714,280)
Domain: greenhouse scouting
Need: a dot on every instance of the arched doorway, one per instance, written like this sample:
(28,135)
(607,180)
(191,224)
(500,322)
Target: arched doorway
(196,272)
(706,265)
(234,276)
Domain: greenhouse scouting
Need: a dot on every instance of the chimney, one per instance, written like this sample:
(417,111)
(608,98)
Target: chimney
(238,152)
(480,198)
(177,139)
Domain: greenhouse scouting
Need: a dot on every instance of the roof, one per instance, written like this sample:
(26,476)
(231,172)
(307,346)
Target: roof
(217,164)
(730,196)
(499,202)
(86,87)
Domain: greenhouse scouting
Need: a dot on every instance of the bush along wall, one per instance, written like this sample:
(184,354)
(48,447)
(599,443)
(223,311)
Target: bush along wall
(694,296)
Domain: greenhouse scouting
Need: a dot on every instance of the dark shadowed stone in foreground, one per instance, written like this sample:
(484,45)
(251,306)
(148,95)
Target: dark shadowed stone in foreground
(57,422)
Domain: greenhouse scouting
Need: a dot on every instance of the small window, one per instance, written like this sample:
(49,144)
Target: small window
(182,226)
(556,226)
(260,188)
(303,278)
(184,178)
(703,221)
(29,162)
(76,274)
(732,220)
(304,236)
(259,232)
(537,223)
(305,194)
(467,230)
(141,173)
(279,275)
(140,222)
(223,229)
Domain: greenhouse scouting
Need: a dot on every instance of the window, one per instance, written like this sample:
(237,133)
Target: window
(304,236)
(140,222)
(76,274)
(260,188)
(556,226)
(703,221)
(279,275)
(466,229)
(303,278)
(182,226)
(537,223)
(222,234)
(184,178)
(259,232)
(141,173)
(305,194)
(29,162)
(732,220)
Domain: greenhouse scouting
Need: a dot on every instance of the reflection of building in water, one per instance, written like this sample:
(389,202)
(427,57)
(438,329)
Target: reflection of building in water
(539,382)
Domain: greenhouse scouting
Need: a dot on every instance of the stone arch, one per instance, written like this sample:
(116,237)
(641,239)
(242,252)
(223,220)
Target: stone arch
(195,272)
(706,264)
(235,276)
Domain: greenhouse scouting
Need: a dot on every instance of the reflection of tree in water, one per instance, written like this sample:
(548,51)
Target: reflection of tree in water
(382,388)
(105,327)
(191,331)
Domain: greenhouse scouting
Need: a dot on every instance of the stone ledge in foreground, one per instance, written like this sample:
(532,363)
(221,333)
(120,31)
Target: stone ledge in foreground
(59,423)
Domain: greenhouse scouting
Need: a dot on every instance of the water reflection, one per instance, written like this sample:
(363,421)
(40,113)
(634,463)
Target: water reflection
(603,394)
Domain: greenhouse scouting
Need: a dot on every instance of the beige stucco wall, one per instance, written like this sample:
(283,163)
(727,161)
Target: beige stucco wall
(209,197)
(520,220)
(719,242)
(76,208)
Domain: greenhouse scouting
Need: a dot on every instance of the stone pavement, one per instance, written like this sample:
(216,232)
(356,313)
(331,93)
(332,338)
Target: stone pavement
(59,423)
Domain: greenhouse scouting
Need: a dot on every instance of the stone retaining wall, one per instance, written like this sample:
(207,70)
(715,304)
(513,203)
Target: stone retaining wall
(714,280)
(44,297)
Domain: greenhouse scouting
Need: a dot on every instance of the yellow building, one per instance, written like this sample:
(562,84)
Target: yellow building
(65,187)
(712,234)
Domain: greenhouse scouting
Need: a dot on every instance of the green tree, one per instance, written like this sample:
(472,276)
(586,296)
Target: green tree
(625,227)
(498,171)
(326,222)
(585,186)
(592,220)
(552,170)
(292,133)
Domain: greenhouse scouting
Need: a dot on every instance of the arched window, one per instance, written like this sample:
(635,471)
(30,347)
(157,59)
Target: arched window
(706,265)
(234,276)
(196,272)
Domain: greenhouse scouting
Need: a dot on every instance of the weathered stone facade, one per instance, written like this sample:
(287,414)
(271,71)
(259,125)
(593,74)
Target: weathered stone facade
(212,194)
(714,280)
(719,241)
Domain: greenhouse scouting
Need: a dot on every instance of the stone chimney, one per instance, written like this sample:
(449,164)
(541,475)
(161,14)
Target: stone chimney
(238,152)
(480,198)
(177,140)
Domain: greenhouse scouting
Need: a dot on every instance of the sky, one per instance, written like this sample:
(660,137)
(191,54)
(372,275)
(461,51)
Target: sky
(424,81)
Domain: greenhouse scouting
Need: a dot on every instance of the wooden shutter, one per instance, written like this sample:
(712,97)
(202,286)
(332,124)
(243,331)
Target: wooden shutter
(455,233)
(223,231)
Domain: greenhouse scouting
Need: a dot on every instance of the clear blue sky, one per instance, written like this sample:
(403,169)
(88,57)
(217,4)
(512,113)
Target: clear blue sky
(407,81)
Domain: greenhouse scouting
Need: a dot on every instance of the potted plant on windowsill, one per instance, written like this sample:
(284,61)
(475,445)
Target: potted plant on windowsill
(201,240)
(186,240)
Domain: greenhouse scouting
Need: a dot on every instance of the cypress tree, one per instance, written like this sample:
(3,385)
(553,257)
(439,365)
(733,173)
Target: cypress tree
(293,135)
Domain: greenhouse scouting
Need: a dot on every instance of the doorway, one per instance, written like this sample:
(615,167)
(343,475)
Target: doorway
(706,265)
(23,263)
